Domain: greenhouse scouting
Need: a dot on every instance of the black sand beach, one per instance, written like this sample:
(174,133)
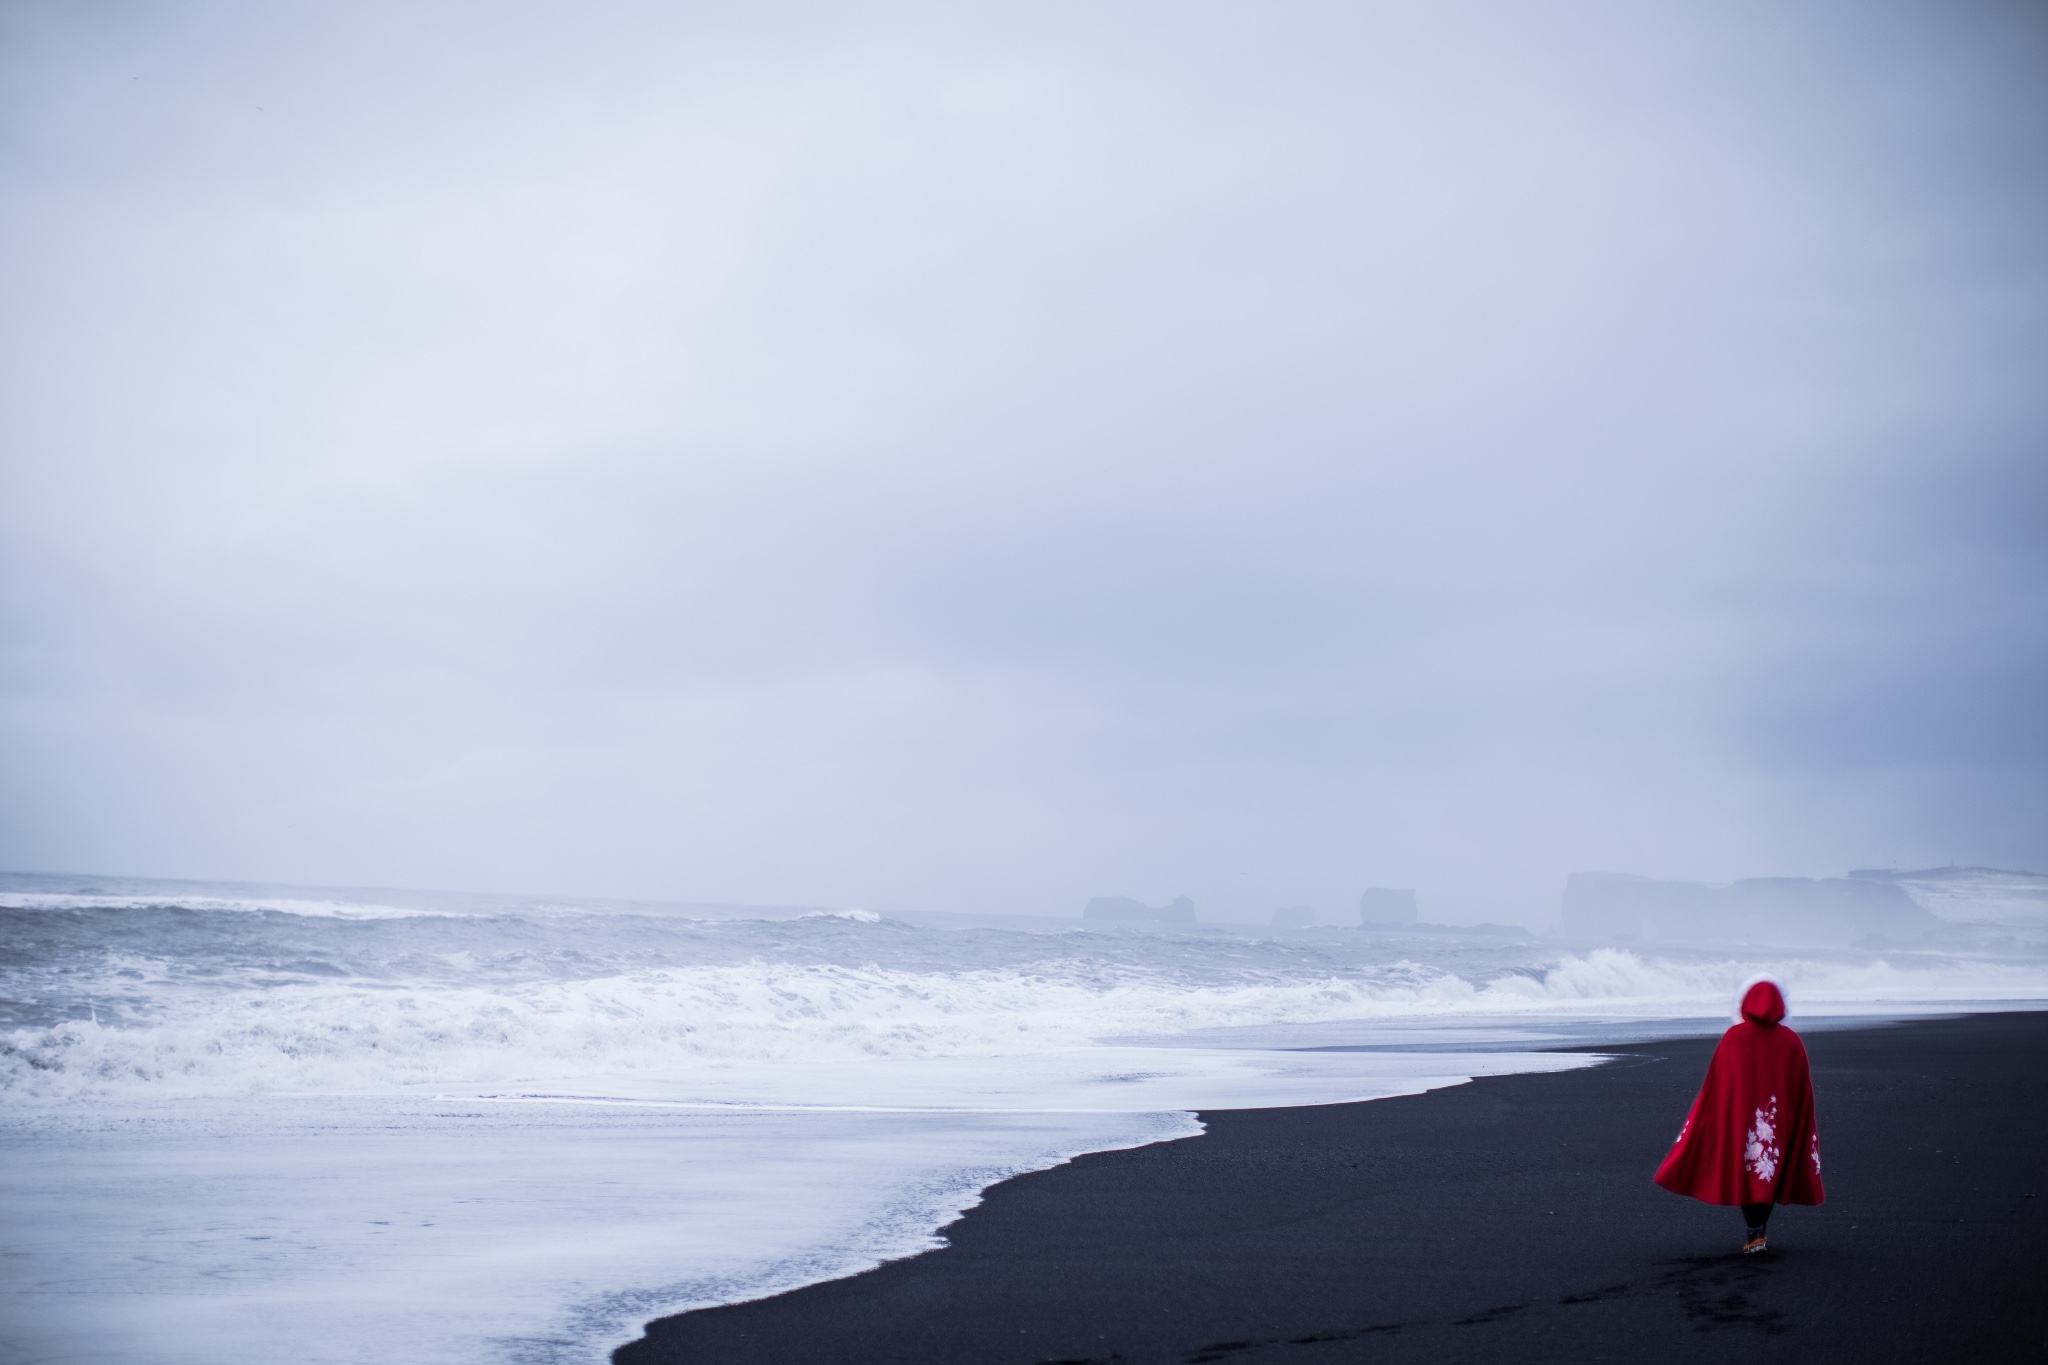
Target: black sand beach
(1512,1219)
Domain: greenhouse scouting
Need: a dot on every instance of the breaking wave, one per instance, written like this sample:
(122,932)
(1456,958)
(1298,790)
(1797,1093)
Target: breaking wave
(203,999)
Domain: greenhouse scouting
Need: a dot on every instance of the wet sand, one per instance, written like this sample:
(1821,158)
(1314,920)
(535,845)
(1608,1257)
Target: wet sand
(1512,1219)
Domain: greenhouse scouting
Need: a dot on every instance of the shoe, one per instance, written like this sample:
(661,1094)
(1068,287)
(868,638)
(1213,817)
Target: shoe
(1754,1244)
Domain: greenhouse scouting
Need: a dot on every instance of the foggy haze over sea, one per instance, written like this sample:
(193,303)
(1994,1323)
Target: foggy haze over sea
(979,459)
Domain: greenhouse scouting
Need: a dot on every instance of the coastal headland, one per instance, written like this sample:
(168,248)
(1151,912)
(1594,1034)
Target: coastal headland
(1511,1219)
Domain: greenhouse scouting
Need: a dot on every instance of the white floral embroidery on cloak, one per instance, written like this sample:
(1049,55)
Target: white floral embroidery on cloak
(1761,1155)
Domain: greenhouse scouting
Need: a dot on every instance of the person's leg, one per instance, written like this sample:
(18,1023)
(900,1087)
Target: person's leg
(1754,1217)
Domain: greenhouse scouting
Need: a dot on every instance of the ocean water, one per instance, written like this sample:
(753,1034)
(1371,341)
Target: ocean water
(383,1127)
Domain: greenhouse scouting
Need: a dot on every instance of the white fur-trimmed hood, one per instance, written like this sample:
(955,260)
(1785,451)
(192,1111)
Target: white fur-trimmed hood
(1735,1009)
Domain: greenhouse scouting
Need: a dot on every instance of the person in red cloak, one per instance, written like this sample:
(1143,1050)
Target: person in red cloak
(1751,1138)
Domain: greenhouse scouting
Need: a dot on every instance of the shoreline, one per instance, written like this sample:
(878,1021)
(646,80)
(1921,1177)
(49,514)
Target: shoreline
(1510,1218)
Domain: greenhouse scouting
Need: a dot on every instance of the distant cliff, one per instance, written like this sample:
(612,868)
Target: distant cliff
(1839,911)
(1983,898)
(1383,905)
(1124,910)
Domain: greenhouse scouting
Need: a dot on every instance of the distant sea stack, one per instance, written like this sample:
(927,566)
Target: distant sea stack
(1382,905)
(1790,910)
(1124,910)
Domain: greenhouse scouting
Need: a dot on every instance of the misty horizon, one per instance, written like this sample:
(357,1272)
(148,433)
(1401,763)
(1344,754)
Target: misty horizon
(1985,909)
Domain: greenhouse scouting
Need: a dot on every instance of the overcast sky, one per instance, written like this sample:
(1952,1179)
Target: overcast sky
(981,457)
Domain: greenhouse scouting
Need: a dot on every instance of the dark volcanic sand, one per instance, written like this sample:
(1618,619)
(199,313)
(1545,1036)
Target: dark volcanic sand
(1512,1219)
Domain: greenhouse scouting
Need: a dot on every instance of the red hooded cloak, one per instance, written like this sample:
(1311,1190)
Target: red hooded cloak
(1751,1138)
